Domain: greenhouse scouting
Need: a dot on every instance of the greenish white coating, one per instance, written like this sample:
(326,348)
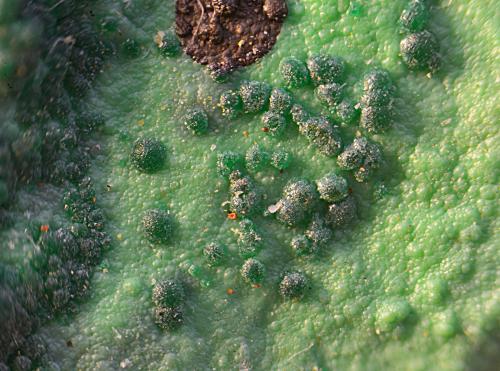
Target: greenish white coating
(318,232)
(249,240)
(437,219)
(340,214)
(168,318)
(346,112)
(245,199)
(302,246)
(130,48)
(299,114)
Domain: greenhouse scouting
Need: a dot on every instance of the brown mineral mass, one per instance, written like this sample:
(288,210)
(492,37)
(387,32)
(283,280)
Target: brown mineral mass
(225,34)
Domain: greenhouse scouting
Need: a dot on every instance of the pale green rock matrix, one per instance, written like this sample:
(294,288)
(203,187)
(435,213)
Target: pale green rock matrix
(411,285)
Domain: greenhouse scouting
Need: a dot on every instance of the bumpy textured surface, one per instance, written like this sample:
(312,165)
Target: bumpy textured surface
(412,283)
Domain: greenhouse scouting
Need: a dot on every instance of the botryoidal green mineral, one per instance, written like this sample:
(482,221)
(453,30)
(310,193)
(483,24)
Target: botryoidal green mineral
(158,226)
(253,271)
(214,253)
(148,155)
(293,285)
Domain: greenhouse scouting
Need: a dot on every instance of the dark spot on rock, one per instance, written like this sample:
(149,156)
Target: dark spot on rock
(226,34)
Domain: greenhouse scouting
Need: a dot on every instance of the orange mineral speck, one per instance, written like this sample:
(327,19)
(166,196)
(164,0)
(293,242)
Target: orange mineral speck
(44,228)
(232,216)
(230,291)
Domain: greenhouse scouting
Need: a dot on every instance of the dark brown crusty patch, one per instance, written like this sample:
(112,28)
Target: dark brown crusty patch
(225,34)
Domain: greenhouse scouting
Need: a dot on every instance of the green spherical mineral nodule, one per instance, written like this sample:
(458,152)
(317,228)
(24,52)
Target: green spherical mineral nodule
(280,159)
(299,114)
(376,119)
(196,120)
(298,201)
(326,69)
(274,123)
(214,253)
(320,132)
(301,192)
(255,96)
(293,285)
(420,51)
(415,16)
(256,158)
(346,112)
(302,246)
(280,101)
(294,72)
(332,188)
(168,293)
(168,318)
(363,156)
(158,225)
(318,232)
(341,213)
(249,241)
(149,155)
(330,94)
(230,103)
(253,271)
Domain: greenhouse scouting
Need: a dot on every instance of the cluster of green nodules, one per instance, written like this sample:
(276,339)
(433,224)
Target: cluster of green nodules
(50,140)
(255,159)
(318,208)
(419,49)
(301,204)
(362,156)
(168,297)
